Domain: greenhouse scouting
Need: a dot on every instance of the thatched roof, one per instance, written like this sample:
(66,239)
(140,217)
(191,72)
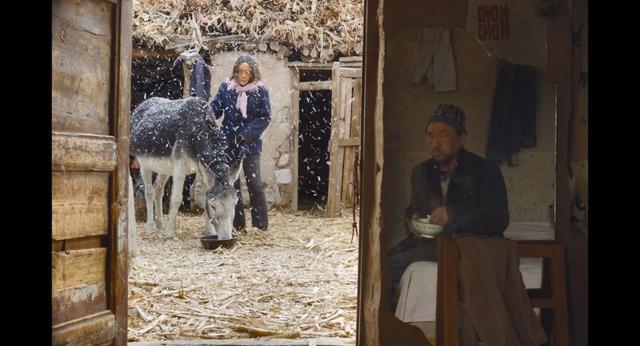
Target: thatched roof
(316,28)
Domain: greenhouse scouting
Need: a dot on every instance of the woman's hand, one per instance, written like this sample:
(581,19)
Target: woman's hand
(239,140)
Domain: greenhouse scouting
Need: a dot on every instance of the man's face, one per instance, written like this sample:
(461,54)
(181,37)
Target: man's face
(443,142)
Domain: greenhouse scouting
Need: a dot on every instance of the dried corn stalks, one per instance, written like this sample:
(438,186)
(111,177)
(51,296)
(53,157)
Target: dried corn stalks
(326,27)
(298,280)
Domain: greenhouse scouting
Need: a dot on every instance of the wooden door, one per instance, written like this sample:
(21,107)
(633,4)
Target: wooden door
(346,116)
(91,58)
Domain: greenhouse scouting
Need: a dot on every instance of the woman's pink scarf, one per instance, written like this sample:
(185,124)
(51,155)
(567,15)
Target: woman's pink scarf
(241,103)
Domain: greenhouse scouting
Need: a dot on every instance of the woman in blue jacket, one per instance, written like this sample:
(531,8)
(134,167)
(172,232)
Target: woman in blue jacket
(244,101)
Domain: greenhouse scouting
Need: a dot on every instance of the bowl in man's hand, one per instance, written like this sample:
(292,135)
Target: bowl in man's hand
(425,228)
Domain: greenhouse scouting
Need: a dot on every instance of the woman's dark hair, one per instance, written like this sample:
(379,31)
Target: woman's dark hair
(255,71)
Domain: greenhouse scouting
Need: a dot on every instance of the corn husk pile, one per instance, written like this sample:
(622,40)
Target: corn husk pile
(318,28)
(297,280)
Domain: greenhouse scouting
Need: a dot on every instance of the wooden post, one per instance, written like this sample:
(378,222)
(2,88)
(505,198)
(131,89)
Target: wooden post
(335,168)
(447,292)
(371,299)
(349,154)
(355,133)
(559,296)
(118,277)
(295,120)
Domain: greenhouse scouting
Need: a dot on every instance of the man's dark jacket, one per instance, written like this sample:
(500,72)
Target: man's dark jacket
(476,197)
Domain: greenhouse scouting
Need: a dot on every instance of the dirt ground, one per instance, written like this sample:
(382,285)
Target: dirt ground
(297,280)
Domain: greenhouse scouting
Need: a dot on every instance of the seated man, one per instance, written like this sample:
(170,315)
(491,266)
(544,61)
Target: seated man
(461,191)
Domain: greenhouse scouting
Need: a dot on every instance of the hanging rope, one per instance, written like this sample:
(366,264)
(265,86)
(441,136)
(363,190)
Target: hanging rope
(356,197)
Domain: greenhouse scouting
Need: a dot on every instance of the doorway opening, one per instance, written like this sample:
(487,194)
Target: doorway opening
(314,132)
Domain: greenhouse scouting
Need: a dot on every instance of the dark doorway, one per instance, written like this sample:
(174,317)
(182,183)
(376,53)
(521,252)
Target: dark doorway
(314,132)
(152,77)
(160,76)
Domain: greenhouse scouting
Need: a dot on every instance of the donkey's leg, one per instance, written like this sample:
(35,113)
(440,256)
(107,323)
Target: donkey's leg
(148,197)
(158,189)
(207,180)
(176,200)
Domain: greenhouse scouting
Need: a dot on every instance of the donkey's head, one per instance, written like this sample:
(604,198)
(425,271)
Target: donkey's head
(220,209)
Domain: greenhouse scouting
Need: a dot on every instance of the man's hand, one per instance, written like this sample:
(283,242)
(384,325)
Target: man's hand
(412,228)
(439,216)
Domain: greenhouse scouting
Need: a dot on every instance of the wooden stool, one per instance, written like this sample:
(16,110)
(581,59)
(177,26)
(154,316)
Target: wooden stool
(551,295)
(551,298)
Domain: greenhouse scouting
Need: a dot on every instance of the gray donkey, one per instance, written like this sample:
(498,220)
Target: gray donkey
(180,137)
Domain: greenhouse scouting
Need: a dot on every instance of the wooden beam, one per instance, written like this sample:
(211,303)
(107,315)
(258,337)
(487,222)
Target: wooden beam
(89,242)
(351,59)
(447,304)
(142,53)
(349,142)
(310,65)
(356,119)
(75,302)
(351,72)
(79,204)
(538,249)
(295,119)
(351,65)
(96,329)
(368,316)
(81,64)
(82,152)
(319,85)
(78,267)
(335,152)
(207,41)
(353,136)
(346,88)
(120,120)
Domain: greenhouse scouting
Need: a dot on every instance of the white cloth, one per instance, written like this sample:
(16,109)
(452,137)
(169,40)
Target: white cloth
(418,286)
(432,57)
